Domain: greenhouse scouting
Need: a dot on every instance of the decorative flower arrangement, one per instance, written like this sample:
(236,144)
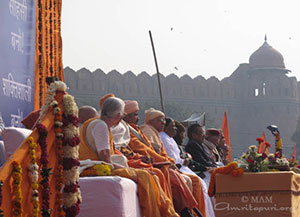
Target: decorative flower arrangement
(67,145)
(59,150)
(49,99)
(34,177)
(294,165)
(296,168)
(275,160)
(252,161)
(17,191)
(293,162)
(72,195)
(262,142)
(231,169)
(97,170)
(45,171)
(1,211)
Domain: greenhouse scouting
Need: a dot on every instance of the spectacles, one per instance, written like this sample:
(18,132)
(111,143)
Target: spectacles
(162,120)
(133,114)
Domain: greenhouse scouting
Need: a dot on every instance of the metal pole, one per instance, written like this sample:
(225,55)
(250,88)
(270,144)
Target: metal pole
(157,71)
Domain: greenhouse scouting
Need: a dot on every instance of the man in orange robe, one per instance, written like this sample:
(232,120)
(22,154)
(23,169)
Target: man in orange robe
(139,143)
(153,201)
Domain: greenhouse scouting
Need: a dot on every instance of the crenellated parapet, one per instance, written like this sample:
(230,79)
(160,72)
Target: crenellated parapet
(255,95)
(128,84)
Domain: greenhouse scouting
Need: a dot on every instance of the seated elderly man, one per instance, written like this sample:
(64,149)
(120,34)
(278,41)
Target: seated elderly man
(139,143)
(121,137)
(212,141)
(173,151)
(179,138)
(223,149)
(97,144)
(171,146)
(86,112)
(153,125)
(198,150)
(174,184)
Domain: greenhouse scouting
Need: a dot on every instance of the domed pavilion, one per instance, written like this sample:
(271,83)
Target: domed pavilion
(267,58)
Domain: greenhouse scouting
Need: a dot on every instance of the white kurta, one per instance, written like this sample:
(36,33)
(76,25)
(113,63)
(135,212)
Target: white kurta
(173,151)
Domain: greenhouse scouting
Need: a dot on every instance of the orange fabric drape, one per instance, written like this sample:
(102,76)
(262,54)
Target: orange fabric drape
(21,155)
(153,198)
(182,196)
(198,193)
(262,145)
(48,47)
(225,129)
(85,152)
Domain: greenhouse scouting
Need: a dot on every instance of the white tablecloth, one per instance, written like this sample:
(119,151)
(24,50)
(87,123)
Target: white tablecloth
(109,196)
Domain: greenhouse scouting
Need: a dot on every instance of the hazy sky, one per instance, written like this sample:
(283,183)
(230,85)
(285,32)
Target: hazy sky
(194,37)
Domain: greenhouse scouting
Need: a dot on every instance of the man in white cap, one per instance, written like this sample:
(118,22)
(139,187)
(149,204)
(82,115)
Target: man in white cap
(148,142)
(154,123)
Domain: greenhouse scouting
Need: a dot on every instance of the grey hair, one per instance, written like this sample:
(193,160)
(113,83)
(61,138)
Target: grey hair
(112,107)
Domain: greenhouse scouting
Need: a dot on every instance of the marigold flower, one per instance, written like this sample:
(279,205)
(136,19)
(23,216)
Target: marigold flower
(267,144)
(259,140)
(232,166)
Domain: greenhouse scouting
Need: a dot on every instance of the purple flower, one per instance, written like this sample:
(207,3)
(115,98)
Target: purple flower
(69,163)
(71,119)
(42,141)
(264,155)
(72,188)
(44,160)
(42,130)
(72,142)
(75,120)
(72,211)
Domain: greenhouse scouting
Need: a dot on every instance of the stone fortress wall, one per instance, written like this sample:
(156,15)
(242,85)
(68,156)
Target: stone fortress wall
(255,95)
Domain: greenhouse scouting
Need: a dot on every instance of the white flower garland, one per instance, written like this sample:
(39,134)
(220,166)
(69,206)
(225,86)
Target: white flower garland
(71,176)
(70,131)
(49,99)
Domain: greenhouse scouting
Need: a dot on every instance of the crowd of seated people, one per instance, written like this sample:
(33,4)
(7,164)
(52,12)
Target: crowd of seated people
(172,178)
(155,148)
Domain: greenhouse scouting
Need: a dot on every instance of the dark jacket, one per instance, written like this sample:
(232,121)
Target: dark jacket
(199,154)
(193,165)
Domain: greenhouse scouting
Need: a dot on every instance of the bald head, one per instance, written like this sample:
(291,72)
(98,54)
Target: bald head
(86,112)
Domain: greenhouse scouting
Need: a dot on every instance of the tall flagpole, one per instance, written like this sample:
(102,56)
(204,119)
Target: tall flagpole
(157,71)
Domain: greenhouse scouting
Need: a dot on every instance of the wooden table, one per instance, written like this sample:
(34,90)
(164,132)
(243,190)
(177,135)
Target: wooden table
(258,194)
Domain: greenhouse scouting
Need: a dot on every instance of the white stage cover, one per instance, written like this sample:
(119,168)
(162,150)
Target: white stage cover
(108,196)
